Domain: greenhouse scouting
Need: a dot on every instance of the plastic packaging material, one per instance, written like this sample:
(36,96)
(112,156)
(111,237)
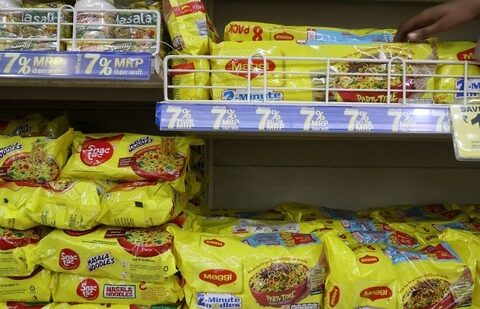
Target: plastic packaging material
(467,245)
(374,276)
(243,228)
(297,212)
(427,232)
(130,157)
(138,255)
(105,306)
(66,204)
(15,246)
(256,31)
(15,199)
(23,305)
(87,15)
(82,289)
(35,125)
(33,159)
(190,28)
(268,270)
(457,51)
(141,204)
(188,75)
(268,215)
(297,79)
(434,212)
(32,288)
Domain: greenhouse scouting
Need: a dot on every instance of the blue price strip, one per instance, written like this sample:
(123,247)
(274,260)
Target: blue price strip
(101,65)
(302,118)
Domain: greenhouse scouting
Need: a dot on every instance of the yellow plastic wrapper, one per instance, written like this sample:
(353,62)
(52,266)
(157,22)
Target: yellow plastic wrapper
(15,198)
(33,159)
(23,305)
(269,270)
(256,31)
(35,125)
(190,28)
(427,232)
(141,204)
(105,306)
(81,289)
(268,215)
(15,246)
(434,212)
(457,51)
(188,74)
(303,80)
(467,244)
(119,253)
(372,276)
(129,157)
(32,288)
(297,212)
(242,228)
(66,204)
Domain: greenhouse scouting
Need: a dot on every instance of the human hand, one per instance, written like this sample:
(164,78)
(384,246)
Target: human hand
(437,19)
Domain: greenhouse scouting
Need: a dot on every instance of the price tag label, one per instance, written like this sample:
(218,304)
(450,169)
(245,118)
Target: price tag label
(466,131)
(75,65)
(270,120)
(115,66)
(315,119)
(359,120)
(225,118)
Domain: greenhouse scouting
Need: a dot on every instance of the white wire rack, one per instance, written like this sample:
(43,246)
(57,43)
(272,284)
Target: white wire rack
(264,79)
(90,30)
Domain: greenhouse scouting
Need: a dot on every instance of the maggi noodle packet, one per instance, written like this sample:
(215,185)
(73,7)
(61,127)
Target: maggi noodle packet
(297,212)
(427,232)
(33,159)
(130,157)
(32,288)
(267,215)
(268,270)
(190,28)
(300,79)
(467,244)
(14,200)
(434,212)
(66,204)
(191,75)
(15,247)
(119,253)
(242,228)
(456,51)
(83,289)
(256,31)
(425,277)
(140,204)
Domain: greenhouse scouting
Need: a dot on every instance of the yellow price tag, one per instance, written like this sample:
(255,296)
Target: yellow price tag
(466,131)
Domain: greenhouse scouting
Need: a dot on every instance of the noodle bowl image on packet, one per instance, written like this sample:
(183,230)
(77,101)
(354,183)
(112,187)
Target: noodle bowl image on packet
(375,276)
(118,253)
(130,157)
(33,159)
(267,270)
(75,288)
(276,78)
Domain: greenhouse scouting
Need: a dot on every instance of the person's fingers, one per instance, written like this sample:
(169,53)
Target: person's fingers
(424,19)
(444,23)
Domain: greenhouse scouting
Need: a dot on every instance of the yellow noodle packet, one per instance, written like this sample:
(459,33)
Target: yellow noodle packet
(15,248)
(267,270)
(15,198)
(119,253)
(32,288)
(83,289)
(130,157)
(190,77)
(33,159)
(140,204)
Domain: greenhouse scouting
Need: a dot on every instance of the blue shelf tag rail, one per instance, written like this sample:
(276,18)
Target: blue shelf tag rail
(76,65)
(302,118)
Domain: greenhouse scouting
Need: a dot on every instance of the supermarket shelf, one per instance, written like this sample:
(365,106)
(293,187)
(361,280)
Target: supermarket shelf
(303,118)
